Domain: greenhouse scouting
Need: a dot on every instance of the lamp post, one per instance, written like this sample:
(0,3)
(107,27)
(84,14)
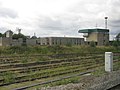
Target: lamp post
(106,22)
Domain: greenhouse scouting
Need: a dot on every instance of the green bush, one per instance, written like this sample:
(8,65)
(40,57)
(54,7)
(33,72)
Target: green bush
(92,44)
(56,49)
(9,77)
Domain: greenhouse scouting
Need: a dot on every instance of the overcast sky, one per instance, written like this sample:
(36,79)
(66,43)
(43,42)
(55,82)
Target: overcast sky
(58,17)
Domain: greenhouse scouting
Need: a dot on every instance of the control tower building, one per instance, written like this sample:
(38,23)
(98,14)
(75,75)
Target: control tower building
(99,36)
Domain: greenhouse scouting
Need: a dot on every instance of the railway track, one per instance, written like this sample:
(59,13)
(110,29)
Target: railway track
(55,80)
(46,66)
(21,70)
(42,75)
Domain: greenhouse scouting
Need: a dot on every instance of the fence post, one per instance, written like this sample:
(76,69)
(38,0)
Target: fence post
(108,61)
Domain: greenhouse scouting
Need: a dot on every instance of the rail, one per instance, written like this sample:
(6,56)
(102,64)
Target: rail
(51,81)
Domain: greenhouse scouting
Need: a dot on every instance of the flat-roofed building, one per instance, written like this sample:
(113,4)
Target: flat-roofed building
(99,36)
(62,41)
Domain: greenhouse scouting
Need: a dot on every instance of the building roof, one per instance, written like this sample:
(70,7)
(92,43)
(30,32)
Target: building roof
(118,36)
(34,37)
(93,30)
(9,31)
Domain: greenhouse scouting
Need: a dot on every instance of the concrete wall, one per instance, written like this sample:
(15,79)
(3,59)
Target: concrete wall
(0,41)
(92,36)
(5,41)
(43,41)
(102,38)
(17,42)
(31,42)
(63,41)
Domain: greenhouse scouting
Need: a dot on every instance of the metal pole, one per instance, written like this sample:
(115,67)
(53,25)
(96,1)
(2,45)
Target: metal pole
(106,22)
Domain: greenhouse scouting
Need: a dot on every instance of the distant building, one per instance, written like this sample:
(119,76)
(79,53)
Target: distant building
(55,41)
(9,33)
(32,41)
(99,36)
(7,40)
(61,41)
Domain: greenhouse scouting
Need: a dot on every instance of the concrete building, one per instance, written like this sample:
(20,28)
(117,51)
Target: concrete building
(9,33)
(7,40)
(99,36)
(32,42)
(61,41)
(55,41)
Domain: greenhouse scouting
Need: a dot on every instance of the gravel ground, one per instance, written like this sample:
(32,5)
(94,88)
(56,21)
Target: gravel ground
(91,83)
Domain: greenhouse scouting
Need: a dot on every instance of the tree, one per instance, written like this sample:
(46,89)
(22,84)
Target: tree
(116,43)
(17,36)
(1,35)
(118,37)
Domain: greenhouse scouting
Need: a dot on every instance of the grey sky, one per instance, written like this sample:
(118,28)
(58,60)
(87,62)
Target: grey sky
(58,17)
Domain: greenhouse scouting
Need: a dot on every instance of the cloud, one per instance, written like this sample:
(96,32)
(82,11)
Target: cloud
(59,17)
(7,16)
(6,12)
(3,29)
(114,16)
(49,23)
(57,25)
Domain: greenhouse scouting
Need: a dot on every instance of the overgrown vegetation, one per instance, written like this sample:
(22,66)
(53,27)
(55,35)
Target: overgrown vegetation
(92,44)
(42,63)
(116,43)
(9,77)
(57,49)
(17,36)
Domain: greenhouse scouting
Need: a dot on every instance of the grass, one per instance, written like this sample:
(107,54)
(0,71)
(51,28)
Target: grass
(9,77)
(51,72)
(82,51)
(99,72)
(55,49)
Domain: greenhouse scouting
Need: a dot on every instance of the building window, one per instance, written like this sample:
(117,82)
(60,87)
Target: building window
(47,43)
(36,42)
(96,43)
(53,43)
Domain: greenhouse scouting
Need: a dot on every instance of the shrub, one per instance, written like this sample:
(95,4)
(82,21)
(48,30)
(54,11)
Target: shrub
(9,77)
(92,44)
